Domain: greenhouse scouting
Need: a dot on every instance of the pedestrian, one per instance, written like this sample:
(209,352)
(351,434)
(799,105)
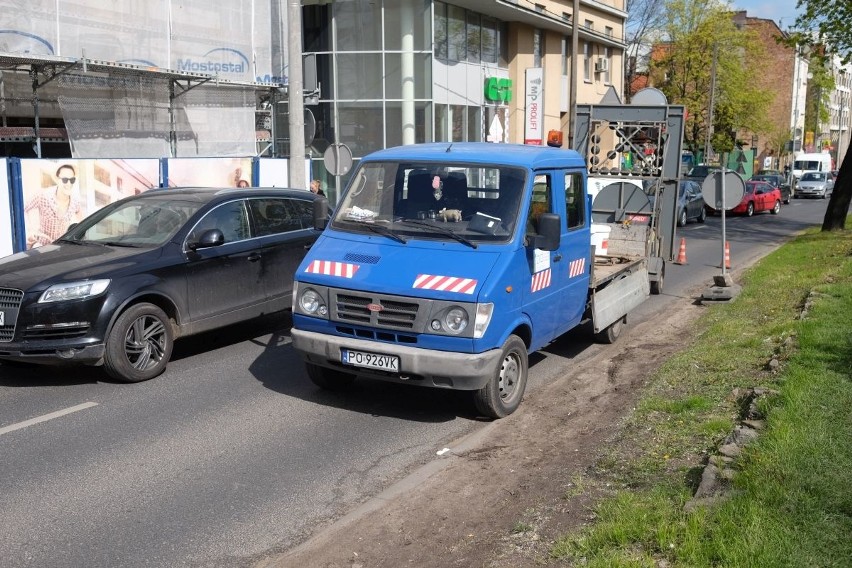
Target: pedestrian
(51,211)
(316,187)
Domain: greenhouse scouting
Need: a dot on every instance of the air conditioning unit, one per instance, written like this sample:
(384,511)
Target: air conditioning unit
(602,65)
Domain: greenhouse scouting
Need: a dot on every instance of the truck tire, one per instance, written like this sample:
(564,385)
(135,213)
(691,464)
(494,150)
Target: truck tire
(502,395)
(329,379)
(612,332)
(657,285)
(139,345)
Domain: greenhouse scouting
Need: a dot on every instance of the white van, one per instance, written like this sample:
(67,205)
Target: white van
(817,162)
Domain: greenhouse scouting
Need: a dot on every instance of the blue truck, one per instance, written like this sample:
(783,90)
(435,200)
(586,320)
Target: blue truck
(446,264)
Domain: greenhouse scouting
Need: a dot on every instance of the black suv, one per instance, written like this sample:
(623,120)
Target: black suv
(119,287)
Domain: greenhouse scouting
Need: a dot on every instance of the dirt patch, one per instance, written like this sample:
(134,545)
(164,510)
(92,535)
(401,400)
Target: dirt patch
(502,503)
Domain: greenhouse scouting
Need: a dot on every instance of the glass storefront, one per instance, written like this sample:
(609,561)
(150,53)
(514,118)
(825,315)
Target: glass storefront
(376,71)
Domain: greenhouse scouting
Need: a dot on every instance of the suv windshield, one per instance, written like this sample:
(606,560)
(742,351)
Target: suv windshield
(145,221)
(460,202)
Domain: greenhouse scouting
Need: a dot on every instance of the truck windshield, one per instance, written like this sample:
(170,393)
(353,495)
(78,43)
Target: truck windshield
(461,202)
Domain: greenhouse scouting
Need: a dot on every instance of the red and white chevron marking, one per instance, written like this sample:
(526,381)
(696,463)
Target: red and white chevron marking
(577,267)
(332,268)
(540,280)
(445,283)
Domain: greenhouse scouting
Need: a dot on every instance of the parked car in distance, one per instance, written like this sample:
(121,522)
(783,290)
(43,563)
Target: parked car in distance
(776,180)
(701,171)
(758,196)
(120,286)
(690,203)
(815,184)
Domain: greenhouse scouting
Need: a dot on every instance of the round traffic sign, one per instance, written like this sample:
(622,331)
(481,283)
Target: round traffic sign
(338,159)
(714,187)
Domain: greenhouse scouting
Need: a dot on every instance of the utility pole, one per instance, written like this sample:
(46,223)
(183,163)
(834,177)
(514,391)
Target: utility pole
(707,145)
(296,117)
(572,90)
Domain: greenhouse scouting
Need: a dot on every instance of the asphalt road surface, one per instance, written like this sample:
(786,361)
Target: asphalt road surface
(233,454)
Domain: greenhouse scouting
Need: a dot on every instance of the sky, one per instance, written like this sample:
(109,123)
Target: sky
(783,12)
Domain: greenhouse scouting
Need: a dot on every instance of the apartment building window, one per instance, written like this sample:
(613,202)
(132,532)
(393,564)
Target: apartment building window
(587,62)
(539,8)
(589,25)
(605,75)
(608,31)
(566,54)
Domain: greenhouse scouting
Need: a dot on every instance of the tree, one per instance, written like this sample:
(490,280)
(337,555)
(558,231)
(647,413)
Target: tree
(828,27)
(683,69)
(644,18)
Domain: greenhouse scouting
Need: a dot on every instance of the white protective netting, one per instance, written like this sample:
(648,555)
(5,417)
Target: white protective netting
(125,113)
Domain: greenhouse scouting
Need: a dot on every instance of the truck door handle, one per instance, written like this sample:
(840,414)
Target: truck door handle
(557,257)
(253,257)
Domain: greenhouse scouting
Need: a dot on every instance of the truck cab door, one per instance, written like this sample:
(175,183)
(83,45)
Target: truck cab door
(557,277)
(575,248)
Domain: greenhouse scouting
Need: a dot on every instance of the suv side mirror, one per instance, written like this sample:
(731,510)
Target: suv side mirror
(209,238)
(320,213)
(549,231)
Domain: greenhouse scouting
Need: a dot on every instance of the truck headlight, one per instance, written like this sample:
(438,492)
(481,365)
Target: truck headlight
(456,320)
(312,303)
(483,318)
(73,291)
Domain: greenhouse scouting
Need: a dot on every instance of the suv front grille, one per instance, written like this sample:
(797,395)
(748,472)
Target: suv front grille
(10,301)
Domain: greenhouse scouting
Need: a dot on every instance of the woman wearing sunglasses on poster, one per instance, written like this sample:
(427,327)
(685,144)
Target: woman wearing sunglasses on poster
(57,207)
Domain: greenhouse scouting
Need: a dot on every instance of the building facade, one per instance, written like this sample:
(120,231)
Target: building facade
(185,76)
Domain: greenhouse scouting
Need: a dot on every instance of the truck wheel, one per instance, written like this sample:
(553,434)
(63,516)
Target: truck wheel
(329,379)
(611,333)
(139,345)
(503,393)
(657,285)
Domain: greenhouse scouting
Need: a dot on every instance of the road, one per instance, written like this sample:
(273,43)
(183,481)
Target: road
(233,454)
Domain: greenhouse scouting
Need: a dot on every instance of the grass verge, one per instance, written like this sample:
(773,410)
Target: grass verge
(791,503)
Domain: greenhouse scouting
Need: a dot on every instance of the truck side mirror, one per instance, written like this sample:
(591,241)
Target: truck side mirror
(549,231)
(320,213)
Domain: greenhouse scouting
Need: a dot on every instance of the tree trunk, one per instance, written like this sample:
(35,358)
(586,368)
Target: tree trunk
(841,197)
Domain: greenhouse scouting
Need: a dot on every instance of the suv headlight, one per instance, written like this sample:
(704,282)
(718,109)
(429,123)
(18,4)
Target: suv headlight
(73,291)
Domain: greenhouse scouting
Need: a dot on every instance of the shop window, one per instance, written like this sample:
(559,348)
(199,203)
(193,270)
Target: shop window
(456,34)
(474,37)
(441,32)
(359,25)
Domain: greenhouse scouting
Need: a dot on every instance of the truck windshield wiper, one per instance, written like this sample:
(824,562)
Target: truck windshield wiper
(443,231)
(382,230)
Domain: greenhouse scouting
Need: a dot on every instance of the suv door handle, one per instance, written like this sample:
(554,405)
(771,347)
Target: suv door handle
(253,257)
(557,257)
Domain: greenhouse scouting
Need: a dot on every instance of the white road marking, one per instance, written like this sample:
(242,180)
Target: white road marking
(46,417)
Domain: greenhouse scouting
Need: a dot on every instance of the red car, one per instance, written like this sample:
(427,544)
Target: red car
(759,196)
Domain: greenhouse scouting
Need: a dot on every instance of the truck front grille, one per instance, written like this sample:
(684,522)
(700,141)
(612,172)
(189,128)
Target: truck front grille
(394,313)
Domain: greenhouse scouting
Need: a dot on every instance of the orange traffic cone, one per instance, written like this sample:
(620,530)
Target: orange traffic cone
(727,255)
(681,255)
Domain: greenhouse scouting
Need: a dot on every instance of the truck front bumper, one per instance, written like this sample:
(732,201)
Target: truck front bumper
(424,367)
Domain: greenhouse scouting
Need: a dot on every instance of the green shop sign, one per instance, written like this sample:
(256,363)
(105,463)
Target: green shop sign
(498,90)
